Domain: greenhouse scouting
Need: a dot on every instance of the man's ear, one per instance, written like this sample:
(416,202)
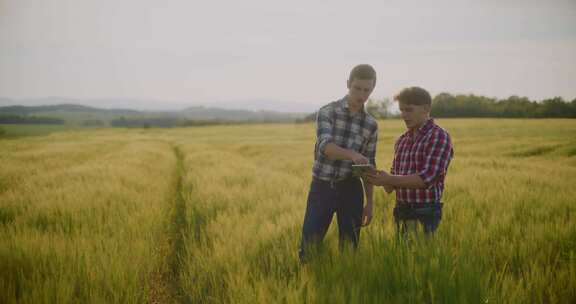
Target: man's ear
(428,108)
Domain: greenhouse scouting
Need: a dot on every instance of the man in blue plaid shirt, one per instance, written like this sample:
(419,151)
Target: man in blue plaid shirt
(346,135)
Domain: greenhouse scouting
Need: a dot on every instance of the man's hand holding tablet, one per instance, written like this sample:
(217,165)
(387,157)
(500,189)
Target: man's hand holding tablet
(361,170)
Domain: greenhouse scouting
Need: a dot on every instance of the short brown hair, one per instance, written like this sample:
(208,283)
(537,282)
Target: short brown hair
(363,72)
(414,96)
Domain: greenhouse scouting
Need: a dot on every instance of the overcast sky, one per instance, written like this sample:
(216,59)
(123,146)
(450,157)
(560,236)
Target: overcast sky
(287,55)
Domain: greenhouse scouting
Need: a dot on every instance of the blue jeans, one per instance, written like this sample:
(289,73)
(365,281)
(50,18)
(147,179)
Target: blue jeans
(407,216)
(346,199)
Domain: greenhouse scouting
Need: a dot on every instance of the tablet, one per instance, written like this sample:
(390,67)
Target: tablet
(359,170)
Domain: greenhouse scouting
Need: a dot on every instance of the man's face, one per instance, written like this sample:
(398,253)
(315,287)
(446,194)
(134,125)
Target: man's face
(359,90)
(414,115)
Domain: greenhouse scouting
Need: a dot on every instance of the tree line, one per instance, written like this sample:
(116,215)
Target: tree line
(30,120)
(448,105)
(443,105)
(169,122)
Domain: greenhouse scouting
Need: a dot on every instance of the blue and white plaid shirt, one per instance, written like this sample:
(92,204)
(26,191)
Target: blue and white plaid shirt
(353,131)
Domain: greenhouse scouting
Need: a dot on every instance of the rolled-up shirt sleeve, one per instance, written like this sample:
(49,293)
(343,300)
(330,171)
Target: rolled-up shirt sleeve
(438,154)
(324,126)
(393,166)
(371,147)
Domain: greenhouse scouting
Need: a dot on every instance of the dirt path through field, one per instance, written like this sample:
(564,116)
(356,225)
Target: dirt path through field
(165,284)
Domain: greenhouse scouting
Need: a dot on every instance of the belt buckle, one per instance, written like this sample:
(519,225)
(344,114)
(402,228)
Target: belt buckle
(334,181)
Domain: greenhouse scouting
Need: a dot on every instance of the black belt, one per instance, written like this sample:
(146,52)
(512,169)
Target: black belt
(409,211)
(335,182)
(417,205)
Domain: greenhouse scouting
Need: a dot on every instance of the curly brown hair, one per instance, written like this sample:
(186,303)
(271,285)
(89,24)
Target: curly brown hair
(414,96)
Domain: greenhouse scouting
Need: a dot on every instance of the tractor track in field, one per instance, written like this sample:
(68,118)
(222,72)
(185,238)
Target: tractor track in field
(165,285)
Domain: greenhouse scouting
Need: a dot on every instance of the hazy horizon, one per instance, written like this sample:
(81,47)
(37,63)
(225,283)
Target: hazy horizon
(155,105)
(291,57)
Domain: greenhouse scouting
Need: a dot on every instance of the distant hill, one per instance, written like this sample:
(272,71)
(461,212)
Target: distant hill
(90,116)
(71,113)
(208,113)
(27,110)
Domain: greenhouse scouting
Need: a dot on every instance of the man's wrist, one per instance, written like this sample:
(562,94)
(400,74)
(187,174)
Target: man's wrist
(350,155)
(390,180)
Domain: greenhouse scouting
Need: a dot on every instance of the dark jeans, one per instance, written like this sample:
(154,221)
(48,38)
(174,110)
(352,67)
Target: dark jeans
(407,216)
(346,199)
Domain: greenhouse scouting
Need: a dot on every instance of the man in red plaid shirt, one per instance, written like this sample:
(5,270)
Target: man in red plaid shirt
(421,159)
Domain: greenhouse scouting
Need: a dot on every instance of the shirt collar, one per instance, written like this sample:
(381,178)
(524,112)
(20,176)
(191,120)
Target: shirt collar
(426,126)
(344,105)
(421,131)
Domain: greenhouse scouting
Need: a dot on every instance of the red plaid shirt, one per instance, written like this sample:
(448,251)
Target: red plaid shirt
(426,152)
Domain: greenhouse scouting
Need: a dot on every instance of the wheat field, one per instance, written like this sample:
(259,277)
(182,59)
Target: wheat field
(214,215)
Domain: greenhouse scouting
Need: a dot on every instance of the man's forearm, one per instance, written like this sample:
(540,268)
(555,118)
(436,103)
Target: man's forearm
(369,191)
(406,181)
(335,152)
